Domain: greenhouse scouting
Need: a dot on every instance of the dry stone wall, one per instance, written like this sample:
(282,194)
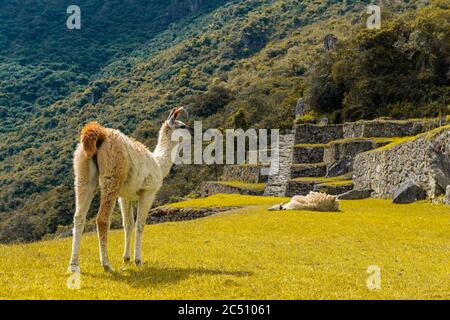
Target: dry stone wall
(389,128)
(384,170)
(311,133)
(246,173)
(209,188)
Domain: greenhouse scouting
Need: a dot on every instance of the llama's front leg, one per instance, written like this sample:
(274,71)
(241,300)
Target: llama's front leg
(144,205)
(128,224)
(107,204)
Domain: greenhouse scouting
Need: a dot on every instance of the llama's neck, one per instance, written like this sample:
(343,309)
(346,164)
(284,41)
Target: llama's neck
(163,151)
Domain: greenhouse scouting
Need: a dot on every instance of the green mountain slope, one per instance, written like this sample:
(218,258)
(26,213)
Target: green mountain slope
(238,64)
(42,61)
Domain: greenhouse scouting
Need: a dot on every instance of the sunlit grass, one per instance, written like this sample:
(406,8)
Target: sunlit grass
(427,135)
(227,200)
(254,254)
(243,185)
(328,180)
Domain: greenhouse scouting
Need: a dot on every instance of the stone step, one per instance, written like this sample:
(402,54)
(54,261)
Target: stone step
(334,189)
(308,153)
(209,188)
(308,170)
(244,172)
(302,186)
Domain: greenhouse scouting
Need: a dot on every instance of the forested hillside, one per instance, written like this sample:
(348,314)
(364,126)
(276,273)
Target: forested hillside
(231,63)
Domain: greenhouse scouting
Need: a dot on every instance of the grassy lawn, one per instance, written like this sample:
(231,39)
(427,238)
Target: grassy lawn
(244,185)
(331,181)
(254,254)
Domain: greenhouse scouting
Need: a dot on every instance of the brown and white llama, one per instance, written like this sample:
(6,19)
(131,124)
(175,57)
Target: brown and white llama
(126,170)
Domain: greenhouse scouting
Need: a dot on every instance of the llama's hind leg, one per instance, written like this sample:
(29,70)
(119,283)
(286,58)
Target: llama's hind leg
(107,204)
(144,205)
(128,224)
(86,182)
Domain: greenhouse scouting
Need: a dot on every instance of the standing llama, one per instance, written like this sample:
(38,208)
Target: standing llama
(125,169)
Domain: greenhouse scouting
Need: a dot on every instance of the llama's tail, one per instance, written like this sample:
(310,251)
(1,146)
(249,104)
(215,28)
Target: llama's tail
(92,137)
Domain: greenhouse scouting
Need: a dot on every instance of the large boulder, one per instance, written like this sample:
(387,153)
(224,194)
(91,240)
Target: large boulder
(409,192)
(447,196)
(440,166)
(355,195)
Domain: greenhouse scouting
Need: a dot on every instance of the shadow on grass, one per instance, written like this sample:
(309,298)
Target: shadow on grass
(147,276)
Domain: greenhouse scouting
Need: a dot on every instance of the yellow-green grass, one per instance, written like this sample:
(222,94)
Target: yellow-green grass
(310,145)
(336,183)
(399,121)
(251,253)
(243,185)
(346,141)
(322,180)
(226,200)
(254,165)
(308,165)
(359,139)
(427,135)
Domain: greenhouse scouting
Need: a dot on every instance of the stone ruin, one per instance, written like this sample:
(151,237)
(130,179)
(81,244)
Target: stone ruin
(363,158)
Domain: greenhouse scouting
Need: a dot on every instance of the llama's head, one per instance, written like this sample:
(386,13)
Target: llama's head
(172,123)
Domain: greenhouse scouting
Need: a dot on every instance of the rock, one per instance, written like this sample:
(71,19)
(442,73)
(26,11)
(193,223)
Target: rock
(440,166)
(409,192)
(340,167)
(166,214)
(447,196)
(324,121)
(355,195)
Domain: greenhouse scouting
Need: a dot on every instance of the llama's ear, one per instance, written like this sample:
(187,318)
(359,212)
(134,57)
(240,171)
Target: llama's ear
(177,112)
(171,118)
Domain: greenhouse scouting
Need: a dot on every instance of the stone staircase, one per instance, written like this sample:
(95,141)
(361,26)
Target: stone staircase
(277,182)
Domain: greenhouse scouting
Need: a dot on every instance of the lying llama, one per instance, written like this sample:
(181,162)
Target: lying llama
(124,169)
(314,201)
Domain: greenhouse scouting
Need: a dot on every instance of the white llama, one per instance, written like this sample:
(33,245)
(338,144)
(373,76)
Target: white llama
(314,201)
(124,169)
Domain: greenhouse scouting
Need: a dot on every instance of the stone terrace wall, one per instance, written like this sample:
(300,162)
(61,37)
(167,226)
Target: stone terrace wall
(336,151)
(384,170)
(246,173)
(388,128)
(315,134)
